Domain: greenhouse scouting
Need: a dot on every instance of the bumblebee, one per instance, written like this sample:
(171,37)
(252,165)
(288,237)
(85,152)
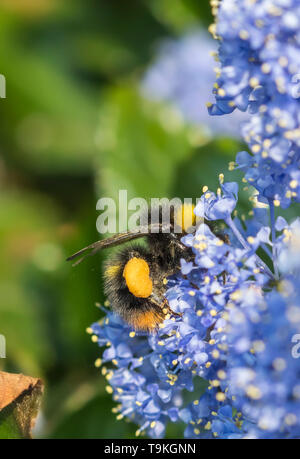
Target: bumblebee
(135,278)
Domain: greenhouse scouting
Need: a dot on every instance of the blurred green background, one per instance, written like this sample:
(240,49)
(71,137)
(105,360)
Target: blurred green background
(74,127)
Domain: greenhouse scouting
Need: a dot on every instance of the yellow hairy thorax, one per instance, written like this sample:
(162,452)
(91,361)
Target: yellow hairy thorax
(184,217)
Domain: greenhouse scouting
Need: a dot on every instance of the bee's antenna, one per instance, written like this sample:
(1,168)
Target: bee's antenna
(75,255)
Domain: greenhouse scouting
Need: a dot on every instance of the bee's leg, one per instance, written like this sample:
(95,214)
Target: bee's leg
(224,277)
(179,244)
(209,330)
(165,306)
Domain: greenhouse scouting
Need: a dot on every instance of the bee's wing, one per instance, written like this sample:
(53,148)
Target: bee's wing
(112,241)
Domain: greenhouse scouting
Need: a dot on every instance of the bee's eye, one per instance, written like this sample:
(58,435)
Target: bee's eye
(184,217)
(138,281)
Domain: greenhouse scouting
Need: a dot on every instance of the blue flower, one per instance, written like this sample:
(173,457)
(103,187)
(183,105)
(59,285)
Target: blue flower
(220,206)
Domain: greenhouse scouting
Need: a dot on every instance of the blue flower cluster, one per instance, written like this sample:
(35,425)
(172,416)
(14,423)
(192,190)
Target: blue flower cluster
(229,365)
(235,338)
(263,370)
(182,74)
(259,52)
(263,335)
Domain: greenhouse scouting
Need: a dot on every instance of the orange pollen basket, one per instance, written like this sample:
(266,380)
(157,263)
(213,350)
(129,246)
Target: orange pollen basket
(137,277)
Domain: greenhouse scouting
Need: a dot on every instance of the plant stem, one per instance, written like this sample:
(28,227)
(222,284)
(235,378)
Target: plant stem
(274,251)
(246,246)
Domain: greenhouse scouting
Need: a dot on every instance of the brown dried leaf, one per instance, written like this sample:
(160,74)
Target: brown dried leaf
(20,397)
(13,385)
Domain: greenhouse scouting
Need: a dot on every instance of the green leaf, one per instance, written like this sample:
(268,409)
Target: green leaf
(27,225)
(141,145)
(48,116)
(180,15)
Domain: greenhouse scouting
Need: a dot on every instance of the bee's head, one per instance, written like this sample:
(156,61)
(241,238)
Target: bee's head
(184,218)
